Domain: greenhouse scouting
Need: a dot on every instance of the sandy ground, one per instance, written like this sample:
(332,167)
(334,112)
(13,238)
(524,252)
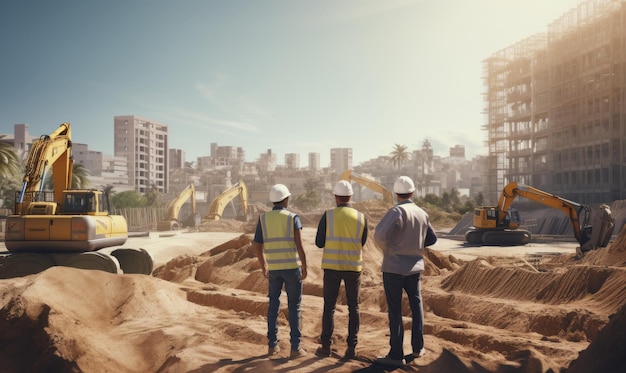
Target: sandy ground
(527,309)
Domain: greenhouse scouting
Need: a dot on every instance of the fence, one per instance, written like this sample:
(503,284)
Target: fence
(141,218)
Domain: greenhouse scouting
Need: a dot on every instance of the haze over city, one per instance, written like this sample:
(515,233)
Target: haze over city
(291,76)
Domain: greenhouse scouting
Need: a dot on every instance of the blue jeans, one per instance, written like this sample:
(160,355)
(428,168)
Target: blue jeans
(292,279)
(394,284)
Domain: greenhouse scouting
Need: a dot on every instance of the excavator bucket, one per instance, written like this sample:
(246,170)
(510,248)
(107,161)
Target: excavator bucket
(602,227)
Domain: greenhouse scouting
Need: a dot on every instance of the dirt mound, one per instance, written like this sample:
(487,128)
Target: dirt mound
(97,329)
(613,255)
(607,353)
(222,225)
(210,314)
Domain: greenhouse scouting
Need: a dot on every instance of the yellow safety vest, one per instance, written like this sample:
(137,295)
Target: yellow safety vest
(343,250)
(279,244)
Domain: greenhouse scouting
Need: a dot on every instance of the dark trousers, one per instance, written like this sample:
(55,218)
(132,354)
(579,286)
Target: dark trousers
(332,282)
(394,285)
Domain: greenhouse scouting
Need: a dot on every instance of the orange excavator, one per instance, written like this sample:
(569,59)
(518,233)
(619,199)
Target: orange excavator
(500,225)
(64,227)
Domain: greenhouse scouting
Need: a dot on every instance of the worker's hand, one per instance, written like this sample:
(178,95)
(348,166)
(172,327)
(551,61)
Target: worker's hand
(304,272)
(266,273)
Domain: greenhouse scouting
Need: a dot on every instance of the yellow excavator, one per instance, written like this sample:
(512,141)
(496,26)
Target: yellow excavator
(500,225)
(216,209)
(172,221)
(65,227)
(348,175)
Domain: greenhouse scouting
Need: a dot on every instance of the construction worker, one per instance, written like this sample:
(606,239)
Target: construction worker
(342,233)
(278,246)
(402,234)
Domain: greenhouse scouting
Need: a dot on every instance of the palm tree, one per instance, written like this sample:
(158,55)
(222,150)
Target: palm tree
(10,165)
(80,178)
(399,155)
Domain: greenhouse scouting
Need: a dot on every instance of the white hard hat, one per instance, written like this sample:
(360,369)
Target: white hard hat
(343,188)
(278,193)
(403,185)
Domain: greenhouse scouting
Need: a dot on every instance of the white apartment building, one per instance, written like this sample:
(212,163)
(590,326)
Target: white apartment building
(144,144)
(314,162)
(292,161)
(90,159)
(341,159)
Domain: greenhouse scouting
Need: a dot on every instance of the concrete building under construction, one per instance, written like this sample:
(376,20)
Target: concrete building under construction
(555,106)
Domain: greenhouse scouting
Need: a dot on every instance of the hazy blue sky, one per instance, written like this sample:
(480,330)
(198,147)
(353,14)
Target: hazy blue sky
(294,76)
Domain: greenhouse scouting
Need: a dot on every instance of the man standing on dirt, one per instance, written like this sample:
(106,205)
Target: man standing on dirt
(278,247)
(402,234)
(342,233)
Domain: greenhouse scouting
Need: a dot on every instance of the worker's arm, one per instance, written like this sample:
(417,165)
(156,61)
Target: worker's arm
(364,237)
(320,237)
(301,254)
(258,250)
(384,232)
(431,237)
(257,247)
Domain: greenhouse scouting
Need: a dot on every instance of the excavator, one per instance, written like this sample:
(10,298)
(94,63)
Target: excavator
(499,225)
(64,227)
(216,209)
(348,175)
(172,221)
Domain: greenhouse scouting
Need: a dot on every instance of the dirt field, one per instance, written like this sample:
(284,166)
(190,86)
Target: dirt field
(526,309)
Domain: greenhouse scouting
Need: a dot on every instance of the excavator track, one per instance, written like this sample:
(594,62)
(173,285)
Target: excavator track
(504,237)
(123,260)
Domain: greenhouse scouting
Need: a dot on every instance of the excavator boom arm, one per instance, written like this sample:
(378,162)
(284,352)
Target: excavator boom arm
(173,208)
(54,151)
(216,209)
(572,209)
(368,183)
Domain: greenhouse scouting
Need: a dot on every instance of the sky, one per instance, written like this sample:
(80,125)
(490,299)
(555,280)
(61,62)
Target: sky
(294,76)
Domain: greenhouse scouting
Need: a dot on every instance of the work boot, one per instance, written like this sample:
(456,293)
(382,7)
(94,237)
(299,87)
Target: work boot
(272,351)
(297,353)
(386,360)
(418,354)
(323,351)
(350,353)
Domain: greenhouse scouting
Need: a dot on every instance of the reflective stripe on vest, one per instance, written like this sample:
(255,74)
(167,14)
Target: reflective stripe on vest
(343,250)
(279,245)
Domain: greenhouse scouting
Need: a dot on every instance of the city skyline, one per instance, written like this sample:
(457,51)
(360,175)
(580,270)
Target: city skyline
(288,76)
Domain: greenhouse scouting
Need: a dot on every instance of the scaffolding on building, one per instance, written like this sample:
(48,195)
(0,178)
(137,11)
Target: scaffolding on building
(554,105)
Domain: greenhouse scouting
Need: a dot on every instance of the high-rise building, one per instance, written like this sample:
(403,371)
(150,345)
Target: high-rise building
(457,151)
(144,144)
(314,162)
(177,158)
(341,159)
(267,161)
(292,161)
(21,140)
(556,108)
(90,159)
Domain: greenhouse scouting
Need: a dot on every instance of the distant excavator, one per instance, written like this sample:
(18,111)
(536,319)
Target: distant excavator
(172,221)
(64,227)
(348,175)
(216,209)
(499,225)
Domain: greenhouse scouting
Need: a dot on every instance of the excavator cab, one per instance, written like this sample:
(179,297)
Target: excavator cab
(487,217)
